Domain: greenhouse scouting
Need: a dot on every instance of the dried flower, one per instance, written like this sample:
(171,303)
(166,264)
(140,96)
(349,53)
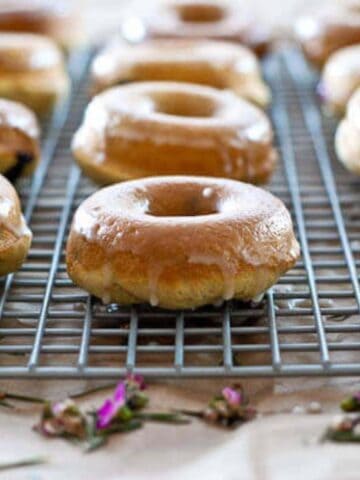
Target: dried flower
(128,396)
(232,396)
(62,419)
(135,380)
(118,414)
(135,396)
(344,428)
(229,408)
(352,403)
(111,407)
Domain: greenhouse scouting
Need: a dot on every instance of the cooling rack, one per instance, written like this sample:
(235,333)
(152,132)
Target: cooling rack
(307,324)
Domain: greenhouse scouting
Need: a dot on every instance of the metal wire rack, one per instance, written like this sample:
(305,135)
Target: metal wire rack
(307,324)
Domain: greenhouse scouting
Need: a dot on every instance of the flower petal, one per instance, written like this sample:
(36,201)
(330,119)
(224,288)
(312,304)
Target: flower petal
(105,414)
(59,408)
(232,397)
(119,397)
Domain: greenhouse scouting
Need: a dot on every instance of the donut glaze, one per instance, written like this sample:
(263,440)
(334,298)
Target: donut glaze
(217,64)
(347,139)
(55,19)
(15,237)
(217,20)
(328,28)
(32,71)
(340,78)
(19,139)
(164,128)
(180,242)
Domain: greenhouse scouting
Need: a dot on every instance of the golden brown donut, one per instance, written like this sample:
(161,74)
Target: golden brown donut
(212,19)
(180,242)
(54,18)
(166,128)
(15,237)
(32,71)
(347,139)
(328,28)
(340,78)
(19,140)
(217,64)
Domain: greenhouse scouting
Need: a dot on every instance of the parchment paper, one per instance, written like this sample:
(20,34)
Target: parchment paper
(276,446)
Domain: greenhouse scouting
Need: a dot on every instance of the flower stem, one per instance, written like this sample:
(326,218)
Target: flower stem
(92,390)
(162,417)
(4,403)
(25,398)
(95,442)
(192,413)
(24,462)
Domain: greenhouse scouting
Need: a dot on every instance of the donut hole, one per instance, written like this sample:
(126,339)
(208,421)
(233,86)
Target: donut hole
(200,13)
(171,200)
(182,104)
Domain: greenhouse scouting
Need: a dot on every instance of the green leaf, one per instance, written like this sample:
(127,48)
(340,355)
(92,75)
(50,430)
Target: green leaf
(341,436)
(125,414)
(24,462)
(98,438)
(350,404)
(95,442)
(138,401)
(121,427)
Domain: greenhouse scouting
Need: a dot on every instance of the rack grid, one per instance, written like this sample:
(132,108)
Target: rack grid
(307,324)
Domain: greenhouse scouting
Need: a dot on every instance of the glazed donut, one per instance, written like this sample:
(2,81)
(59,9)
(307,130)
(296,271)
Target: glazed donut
(15,237)
(165,128)
(32,71)
(328,28)
(347,139)
(340,78)
(217,64)
(212,19)
(55,19)
(19,140)
(180,242)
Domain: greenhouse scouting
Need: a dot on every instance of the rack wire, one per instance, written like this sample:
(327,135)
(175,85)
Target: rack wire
(307,324)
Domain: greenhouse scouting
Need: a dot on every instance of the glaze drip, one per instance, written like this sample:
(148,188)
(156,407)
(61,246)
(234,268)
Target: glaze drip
(108,283)
(227,267)
(130,132)
(154,272)
(9,219)
(143,222)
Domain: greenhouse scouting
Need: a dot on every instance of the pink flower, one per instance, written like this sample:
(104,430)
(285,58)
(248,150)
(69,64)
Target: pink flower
(110,408)
(62,419)
(136,380)
(232,397)
(59,408)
